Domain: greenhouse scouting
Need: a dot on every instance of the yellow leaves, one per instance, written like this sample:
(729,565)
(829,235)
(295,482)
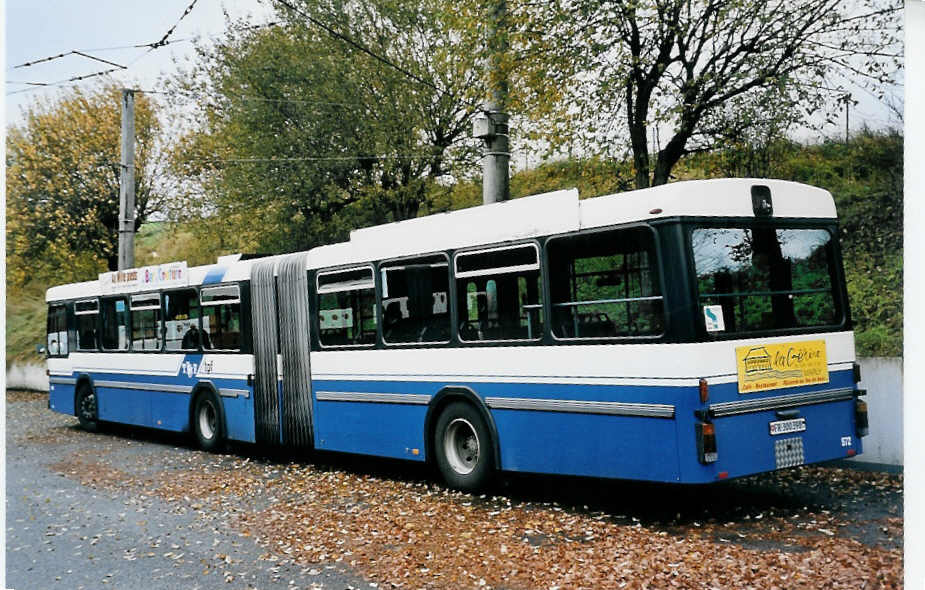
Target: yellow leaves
(63,182)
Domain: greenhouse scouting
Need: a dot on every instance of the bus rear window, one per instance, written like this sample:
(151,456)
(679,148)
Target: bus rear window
(764,278)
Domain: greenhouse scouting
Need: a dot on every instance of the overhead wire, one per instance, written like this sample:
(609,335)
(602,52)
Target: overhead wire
(163,41)
(37,85)
(344,158)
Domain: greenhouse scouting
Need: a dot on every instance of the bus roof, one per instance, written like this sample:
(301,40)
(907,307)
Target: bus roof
(527,217)
(561,212)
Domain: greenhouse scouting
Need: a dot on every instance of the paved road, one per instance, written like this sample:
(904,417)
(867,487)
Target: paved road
(71,533)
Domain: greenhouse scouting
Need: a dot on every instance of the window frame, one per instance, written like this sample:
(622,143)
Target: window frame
(202,314)
(96,323)
(125,297)
(383,266)
(540,267)
(657,265)
(147,296)
(318,292)
(499,269)
(196,289)
(63,307)
(839,290)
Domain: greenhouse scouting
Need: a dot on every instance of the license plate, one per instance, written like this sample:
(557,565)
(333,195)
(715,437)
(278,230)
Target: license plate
(787,426)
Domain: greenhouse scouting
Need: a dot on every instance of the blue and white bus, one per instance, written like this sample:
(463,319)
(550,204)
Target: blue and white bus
(690,333)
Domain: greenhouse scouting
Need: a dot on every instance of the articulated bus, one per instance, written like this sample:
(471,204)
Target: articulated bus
(690,333)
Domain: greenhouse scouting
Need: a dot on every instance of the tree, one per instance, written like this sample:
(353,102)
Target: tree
(62,175)
(302,136)
(698,69)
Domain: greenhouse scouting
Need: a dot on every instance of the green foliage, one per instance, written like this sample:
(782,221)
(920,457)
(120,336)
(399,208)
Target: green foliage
(301,138)
(592,177)
(25,324)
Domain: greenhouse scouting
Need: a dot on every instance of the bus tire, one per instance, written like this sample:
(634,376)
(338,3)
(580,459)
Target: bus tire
(87,408)
(207,422)
(462,448)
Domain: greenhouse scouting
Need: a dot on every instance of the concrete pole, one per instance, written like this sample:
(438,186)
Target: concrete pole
(496,179)
(127,183)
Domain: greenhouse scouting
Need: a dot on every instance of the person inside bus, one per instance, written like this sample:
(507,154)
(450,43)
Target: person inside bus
(193,337)
(391,319)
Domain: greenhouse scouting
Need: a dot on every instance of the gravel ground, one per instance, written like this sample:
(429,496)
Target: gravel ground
(129,506)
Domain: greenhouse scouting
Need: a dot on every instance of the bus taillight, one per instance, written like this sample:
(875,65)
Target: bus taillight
(860,417)
(704,391)
(706,442)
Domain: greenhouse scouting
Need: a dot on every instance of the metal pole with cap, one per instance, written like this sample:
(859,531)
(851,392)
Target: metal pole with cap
(127,183)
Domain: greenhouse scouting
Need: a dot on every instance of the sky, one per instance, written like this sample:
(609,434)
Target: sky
(35,29)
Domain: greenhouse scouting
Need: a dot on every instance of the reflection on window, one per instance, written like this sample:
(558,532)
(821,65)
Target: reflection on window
(764,278)
(221,318)
(347,308)
(181,320)
(415,300)
(56,343)
(114,314)
(146,322)
(605,285)
(499,294)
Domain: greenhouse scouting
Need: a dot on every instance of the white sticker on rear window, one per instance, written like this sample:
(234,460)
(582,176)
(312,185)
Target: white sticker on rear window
(713,318)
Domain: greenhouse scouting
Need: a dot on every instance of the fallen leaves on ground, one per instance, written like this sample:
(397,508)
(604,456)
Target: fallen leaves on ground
(417,534)
(22,395)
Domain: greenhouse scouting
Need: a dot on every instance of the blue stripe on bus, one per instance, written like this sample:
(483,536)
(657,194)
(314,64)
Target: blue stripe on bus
(215,275)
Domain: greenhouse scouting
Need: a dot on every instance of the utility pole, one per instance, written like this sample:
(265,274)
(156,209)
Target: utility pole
(493,125)
(847,103)
(127,183)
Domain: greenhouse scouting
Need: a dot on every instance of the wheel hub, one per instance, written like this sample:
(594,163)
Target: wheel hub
(461,446)
(207,421)
(88,406)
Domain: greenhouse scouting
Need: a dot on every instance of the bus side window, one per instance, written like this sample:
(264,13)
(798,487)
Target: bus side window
(415,300)
(346,307)
(87,314)
(181,320)
(115,324)
(605,285)
(57,330)
(499,292)
(146,322)
(221,318)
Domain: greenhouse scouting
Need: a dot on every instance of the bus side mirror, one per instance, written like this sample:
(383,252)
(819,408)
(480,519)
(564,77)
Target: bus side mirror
(39,349)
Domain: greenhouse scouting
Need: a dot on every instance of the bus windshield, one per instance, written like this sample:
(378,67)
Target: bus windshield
(763,278)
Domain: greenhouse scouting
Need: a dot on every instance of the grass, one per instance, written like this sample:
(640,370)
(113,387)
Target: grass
(25,324)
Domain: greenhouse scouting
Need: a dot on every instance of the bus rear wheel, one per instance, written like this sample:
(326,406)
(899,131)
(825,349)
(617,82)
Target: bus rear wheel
(87,409)
(462,448)
(207,422)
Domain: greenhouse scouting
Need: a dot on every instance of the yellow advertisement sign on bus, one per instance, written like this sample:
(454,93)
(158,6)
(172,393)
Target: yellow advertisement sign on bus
(775,366)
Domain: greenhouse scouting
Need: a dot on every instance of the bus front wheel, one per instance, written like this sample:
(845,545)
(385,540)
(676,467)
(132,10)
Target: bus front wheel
(87,408)
(207,422)
(462,448)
